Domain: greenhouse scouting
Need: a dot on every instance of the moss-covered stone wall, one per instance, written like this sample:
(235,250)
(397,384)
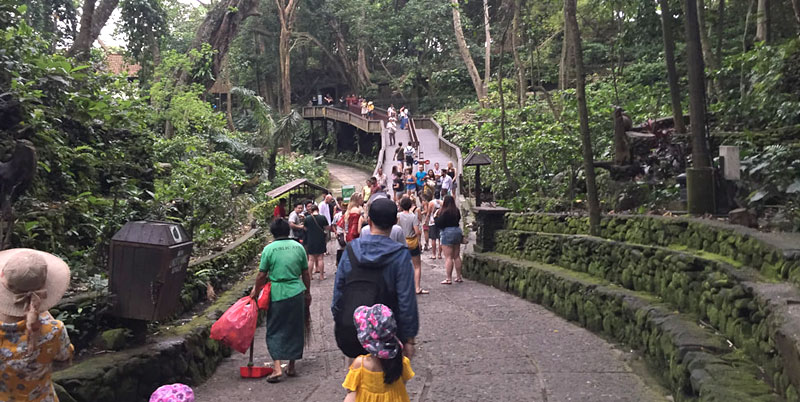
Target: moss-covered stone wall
(731,299)
(182,354)
(694,362)
(771,254)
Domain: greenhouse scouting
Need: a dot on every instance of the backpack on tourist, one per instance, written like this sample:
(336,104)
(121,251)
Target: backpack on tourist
(364,286)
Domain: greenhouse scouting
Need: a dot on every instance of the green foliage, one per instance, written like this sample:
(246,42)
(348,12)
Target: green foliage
(761,88)
(772,176)
(199,193)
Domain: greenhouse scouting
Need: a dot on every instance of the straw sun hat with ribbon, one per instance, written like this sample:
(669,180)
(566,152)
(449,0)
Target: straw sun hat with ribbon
(31,281)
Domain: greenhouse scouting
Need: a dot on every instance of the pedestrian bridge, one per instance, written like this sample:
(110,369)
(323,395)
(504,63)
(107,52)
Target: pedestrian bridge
(422,132)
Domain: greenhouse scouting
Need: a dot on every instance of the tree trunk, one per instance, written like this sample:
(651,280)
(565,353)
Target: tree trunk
(286,17)
(363,70)
(512,184)
(477,82)
(574,35)
(521,85)
(796,6)
(487,60)
(563,68)
(763,22)
(219,29)
(101,15)
(720,29)
(697,95)
(672,72)
(708,52)
(700,177)
(83,42)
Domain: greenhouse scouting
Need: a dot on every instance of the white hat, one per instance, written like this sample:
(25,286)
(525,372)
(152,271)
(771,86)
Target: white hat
(25,273)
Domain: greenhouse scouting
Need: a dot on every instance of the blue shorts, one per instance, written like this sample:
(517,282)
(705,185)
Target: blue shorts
(433,232)
(451,235)
(411,187)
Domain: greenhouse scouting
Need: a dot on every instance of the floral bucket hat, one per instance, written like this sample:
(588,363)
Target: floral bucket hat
(377,329)
(173,393)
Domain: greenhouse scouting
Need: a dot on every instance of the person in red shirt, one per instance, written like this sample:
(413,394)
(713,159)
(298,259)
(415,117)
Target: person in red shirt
(280,210)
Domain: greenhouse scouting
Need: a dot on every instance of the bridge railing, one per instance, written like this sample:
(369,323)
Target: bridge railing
(345,116)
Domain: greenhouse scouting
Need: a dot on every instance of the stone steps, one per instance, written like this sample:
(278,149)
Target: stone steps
(694,361)
(756,315)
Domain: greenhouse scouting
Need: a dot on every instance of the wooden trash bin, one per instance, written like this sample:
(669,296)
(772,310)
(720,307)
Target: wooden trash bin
(147,267)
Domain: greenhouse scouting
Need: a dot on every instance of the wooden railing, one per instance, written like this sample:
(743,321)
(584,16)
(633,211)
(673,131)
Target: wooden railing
(345,116)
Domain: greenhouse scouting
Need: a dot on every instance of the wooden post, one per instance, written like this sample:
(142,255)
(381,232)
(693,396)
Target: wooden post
(478,185)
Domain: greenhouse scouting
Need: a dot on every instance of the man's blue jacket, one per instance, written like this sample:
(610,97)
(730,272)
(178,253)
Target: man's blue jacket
(398,274)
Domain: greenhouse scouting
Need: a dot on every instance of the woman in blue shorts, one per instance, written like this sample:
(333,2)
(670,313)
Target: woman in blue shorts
(448,222)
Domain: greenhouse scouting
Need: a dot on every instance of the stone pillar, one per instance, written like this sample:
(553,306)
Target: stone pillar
(488,220)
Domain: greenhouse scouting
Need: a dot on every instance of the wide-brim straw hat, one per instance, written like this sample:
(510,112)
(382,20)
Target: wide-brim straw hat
(55,283)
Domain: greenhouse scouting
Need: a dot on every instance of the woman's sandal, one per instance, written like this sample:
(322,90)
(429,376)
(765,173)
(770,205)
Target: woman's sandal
(459,280)
(446,282)
(423,292)
(275,378)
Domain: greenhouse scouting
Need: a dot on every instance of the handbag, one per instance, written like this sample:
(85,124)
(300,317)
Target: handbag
(413,242)
(340,239)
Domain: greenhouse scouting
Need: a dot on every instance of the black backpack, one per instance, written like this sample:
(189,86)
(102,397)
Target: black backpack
(364,286)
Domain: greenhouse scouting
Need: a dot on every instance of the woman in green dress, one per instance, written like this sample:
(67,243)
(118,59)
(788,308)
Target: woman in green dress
(283,263)
(316,225)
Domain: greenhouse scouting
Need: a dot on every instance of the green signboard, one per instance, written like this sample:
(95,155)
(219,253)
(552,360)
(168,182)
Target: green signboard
(348,191)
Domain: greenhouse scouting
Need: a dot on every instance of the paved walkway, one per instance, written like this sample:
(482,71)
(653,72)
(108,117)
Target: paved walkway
(476,343)
(342,175)
(428,147)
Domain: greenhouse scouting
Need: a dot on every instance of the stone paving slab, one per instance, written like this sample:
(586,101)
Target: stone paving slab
(475,344)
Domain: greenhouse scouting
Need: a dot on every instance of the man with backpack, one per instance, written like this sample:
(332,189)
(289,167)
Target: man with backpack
(375,269)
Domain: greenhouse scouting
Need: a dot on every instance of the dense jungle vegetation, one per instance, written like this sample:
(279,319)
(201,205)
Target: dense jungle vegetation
(499,74)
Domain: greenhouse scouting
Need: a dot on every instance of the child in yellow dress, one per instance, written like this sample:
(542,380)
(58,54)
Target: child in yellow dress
(381,375)
(30,338)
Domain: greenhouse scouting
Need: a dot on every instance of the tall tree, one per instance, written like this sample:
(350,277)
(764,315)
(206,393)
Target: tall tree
(708,51)
(515,34)
(83,42)
(287,15)
(763,22)
(720,29)
(574,36)
(796,7)
(93,20)
(700,185)
(479,84)
(219,29)
(672,71)
(487,46)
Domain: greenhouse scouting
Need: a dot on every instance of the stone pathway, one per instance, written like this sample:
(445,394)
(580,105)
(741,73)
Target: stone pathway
(475,344)
(342,175)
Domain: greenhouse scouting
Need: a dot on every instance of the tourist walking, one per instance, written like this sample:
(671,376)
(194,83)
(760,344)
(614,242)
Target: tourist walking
(391,126)
(31,282)
(411,182)
(379,268)
(354,217)
(399,155)
(382,180)
(434,206)
(296,228)
(420,177)
(338,219)
(447,184)
(410,224)
(283,264)
(316,242)
(397,183)
(280,210)
(381,374)
(409,153)
(448,222)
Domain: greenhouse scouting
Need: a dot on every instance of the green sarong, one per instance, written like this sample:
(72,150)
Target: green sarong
(285,326)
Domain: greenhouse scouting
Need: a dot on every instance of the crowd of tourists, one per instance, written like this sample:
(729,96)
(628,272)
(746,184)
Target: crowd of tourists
(380,235)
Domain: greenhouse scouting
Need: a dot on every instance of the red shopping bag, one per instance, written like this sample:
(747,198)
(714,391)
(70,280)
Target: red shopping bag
(263,297)
(237,326)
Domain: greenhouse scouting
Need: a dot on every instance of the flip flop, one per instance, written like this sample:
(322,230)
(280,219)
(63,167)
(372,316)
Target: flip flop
(446,282)
(423,292)
(433,257)
(459,280)
(274,379)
